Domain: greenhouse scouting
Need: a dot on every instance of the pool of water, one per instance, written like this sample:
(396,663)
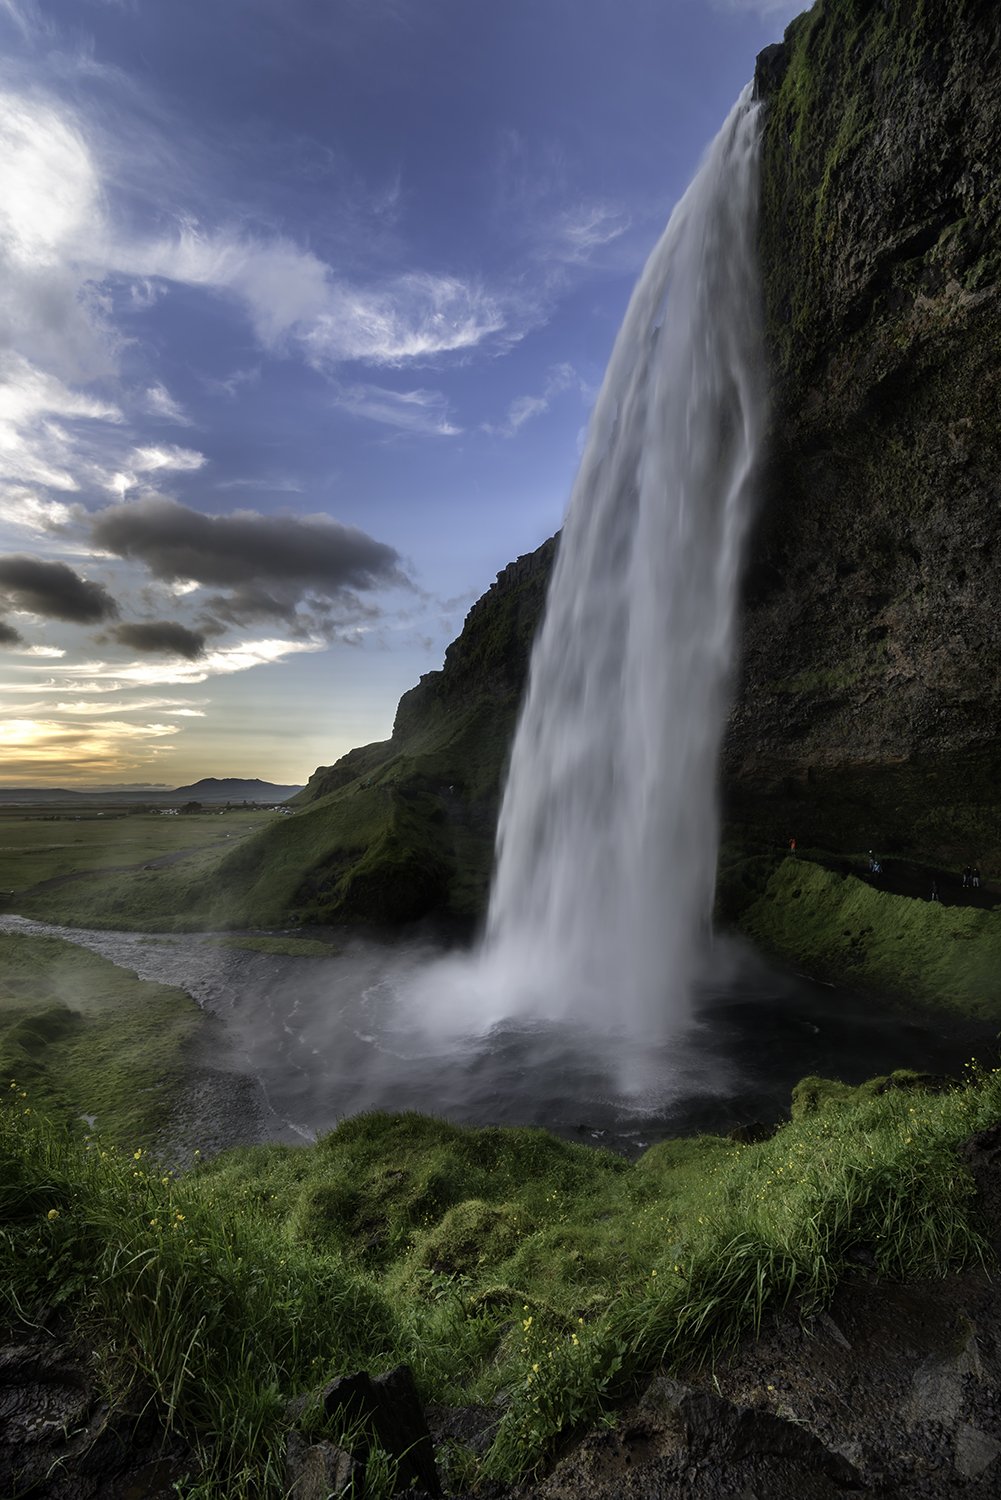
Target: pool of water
(316,1039)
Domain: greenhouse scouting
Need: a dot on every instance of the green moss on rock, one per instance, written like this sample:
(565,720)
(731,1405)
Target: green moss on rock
(923,951)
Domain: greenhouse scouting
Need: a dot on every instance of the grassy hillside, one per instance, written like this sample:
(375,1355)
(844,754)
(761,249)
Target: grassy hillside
(508,1268)
(83,1038)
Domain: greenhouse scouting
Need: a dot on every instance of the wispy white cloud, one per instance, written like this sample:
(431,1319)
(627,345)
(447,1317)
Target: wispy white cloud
(45,651)
(35,445)
(153,460)
(417,411)
(276,486)
(160,403)
(20,14)
(89,708)
(413,318)
(232,383)
(28,511)
(538,206)
(65,259)
(561,378)
(577,232)
(168,456)
(112,677)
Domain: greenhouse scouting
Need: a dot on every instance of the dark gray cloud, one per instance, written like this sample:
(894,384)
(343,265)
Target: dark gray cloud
(165,637)
(246,549)
(9,636)
(251,602)
(53,590)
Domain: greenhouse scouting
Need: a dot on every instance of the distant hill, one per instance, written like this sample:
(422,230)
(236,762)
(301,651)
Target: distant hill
(209,789)
(233,789)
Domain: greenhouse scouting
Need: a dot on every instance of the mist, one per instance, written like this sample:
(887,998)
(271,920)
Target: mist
(291,1046)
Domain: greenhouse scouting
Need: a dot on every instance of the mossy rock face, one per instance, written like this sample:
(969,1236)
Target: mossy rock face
(873,596)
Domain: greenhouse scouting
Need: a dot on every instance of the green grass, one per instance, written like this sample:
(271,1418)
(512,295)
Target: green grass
(384,847)
(502,1264)
(36,849)
(924,951)
(90,1039)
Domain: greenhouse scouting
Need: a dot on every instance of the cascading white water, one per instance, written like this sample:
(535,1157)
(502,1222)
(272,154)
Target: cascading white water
(608,833)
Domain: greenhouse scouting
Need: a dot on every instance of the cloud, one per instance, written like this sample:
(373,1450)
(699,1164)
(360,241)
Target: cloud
(160,403)
(271,486)
(9,636)
(577,232)
(417,411)
(539,207)
(291,296)
(36,445)
(173,707)
(47,747)
(175,542)
(165,636)
(51,242)
(523,409)
(69,264)
(221,661)
(167,456)
(23,508)
(22,15)
(151,460)
(53,590)
(414,317)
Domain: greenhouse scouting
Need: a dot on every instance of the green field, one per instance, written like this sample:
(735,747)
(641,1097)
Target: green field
(61,866)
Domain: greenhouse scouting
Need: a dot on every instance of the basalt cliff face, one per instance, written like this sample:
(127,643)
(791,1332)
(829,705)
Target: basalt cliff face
(868,694)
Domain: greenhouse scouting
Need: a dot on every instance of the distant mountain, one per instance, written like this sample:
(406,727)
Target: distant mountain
(233,789)
(209,789)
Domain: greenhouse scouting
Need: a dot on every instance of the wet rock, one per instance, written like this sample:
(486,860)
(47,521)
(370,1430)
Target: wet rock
(320,1471)
(58,1440)
(43,1394)
(388,1410)
(975,1451)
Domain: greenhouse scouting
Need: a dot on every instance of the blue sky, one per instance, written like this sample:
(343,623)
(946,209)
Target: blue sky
(303,306)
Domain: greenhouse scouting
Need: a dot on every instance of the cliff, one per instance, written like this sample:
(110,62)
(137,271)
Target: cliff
(868,703)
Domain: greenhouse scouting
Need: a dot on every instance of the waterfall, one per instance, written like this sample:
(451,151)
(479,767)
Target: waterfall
(608,834)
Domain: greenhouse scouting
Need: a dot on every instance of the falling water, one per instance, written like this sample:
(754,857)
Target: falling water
(608,833)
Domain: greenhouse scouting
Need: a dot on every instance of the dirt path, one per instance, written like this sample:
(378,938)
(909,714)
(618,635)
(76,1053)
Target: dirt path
(905,878)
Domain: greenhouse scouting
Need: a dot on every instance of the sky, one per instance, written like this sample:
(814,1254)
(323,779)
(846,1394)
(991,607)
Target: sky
(303,308)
